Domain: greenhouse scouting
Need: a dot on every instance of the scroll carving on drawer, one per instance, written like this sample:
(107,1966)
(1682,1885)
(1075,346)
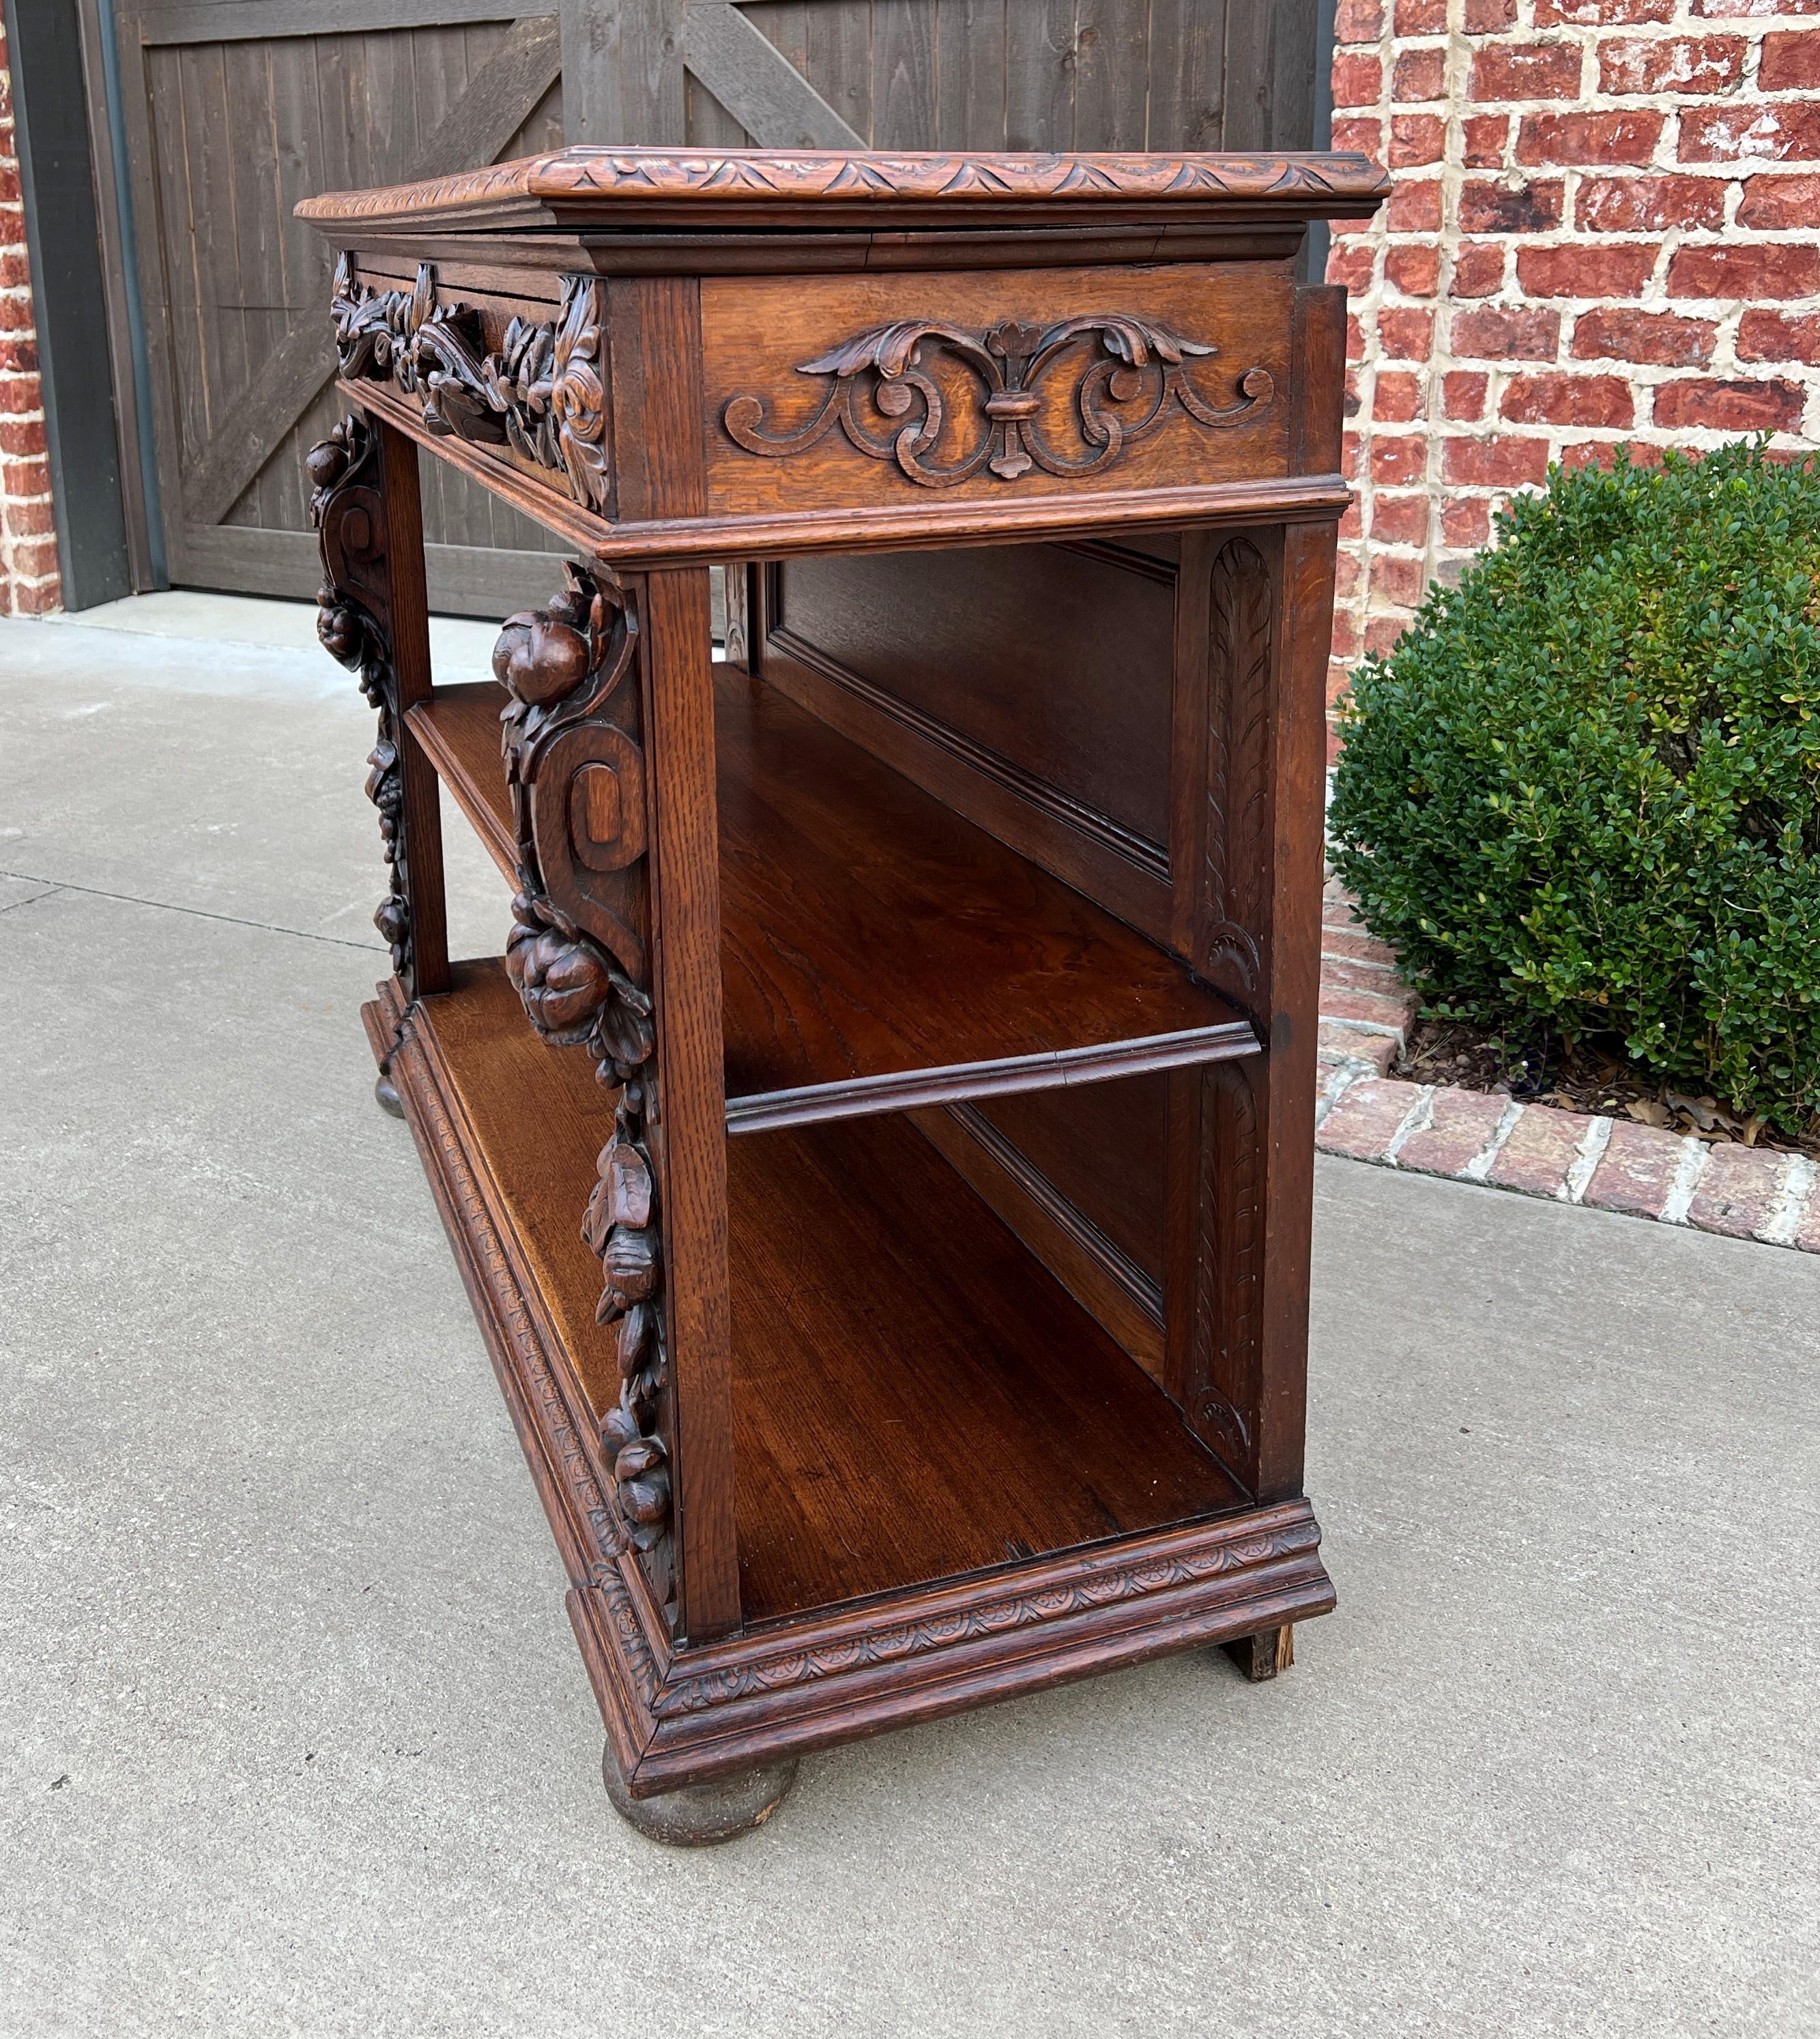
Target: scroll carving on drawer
(540,392)
(1028,380)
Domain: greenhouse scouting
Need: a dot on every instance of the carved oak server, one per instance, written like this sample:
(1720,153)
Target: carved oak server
(902,1296)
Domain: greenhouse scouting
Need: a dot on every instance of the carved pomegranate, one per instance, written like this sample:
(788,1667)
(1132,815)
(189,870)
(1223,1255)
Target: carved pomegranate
(539,660)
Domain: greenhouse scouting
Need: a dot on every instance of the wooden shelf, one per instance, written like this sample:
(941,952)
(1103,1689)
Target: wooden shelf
(878,951)
(956,1412)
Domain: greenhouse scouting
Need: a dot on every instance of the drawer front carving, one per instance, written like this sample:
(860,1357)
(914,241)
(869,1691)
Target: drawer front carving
(846,391)
(533,386)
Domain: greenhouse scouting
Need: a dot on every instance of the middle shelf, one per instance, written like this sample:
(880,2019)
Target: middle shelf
(879,951)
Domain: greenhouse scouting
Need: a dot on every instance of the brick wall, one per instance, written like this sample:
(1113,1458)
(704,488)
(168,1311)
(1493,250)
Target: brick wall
(29,584)
(1604,228)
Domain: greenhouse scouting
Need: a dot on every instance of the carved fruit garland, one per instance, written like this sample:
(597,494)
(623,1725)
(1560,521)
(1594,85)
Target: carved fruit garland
(562,667)
(344,507)
(543,392)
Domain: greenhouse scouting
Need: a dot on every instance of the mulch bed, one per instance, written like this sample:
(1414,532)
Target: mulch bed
(1587,1078)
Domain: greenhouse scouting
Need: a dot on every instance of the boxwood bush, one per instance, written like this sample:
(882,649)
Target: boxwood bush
(1581,798)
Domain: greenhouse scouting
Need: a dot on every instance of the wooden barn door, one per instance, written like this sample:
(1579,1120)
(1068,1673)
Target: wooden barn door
(237,109)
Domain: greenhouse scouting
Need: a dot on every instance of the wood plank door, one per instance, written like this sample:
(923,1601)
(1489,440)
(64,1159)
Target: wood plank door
(236,109)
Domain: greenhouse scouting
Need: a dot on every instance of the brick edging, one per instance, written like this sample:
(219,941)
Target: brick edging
(1537,1150)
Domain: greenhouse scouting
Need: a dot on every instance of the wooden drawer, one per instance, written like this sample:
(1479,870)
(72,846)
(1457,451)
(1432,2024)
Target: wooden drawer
(856,391)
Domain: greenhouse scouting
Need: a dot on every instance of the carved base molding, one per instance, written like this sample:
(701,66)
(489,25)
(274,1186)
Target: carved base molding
(677,1716)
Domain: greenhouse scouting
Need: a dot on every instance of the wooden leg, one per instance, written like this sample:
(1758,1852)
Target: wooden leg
(1262,1656)
(702,1815)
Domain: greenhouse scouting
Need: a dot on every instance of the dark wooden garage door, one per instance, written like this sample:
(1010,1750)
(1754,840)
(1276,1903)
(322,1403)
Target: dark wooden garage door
(237,109)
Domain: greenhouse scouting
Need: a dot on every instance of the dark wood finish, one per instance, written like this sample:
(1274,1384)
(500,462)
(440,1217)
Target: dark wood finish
(984,904)
(1261,1657)
(674,1715)
(880,951)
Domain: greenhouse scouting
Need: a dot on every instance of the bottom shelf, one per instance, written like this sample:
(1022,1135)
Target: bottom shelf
(916,1398)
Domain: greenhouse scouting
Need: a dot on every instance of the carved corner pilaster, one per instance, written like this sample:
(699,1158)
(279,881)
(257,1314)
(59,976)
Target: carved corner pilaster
(353,619)
(578,954)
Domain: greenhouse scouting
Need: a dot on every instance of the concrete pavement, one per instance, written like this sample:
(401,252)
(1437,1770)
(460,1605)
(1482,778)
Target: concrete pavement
(293,1734)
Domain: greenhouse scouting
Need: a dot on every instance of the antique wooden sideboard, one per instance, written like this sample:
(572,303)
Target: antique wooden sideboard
(880,1161)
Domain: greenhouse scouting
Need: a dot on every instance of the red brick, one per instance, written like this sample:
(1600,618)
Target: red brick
(1339,1042)
(1479,270)
(1396,398)
(1366,135)
(1421,17)
(1590,453)
(1485,141)
(1486,17)
(1785,270)
(1465,1120)
(1392,1007)
(1791,62)
(1502,332)
(1646,205)
(1354,945)
(1415,270)
(1637,1170)
(1346,575)
(1357,80)
(20,478)
(1465,521)
(1463,394)
(1359,21)
(15,269)
(1616,270)
(1413,207)
(16,314)
(1568,400)
(1538,1151)
(1340,974)
(1354,337)
(1751,7)
(1729,407)
(19,357)
(39,601)
(1418,75)
(1779,336)
(1405,333)
(1525,70)
(1601,13)
(1612,334)
(1351,525)
(1403,582)
(1382,635)
(1400,459)
(9,181)
(1489,206)
(1772,202)
(1589,137)
(22,437)
(1398,520)
(20,395)
(1365,1120)
(1498,463)
(1349,265)
(1738,1189)
(29,520)
(34,557)
(1416,139)
(1680,64)
(1784,132)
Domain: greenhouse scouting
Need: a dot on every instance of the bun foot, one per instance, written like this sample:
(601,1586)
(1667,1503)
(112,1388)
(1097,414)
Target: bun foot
(702,1815)
(1263,1655)
(386,1091)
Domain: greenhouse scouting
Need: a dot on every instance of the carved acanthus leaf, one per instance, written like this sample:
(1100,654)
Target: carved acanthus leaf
(542,393)
(892,388)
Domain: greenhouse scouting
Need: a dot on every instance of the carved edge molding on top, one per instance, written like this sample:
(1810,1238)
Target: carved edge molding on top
(717,175)
(1129,374)
(542,391)
(577,956)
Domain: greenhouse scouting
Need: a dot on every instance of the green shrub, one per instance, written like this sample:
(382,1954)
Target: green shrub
(1582,796)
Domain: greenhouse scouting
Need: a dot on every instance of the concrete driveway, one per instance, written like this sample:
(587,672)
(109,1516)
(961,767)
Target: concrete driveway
(293,1734)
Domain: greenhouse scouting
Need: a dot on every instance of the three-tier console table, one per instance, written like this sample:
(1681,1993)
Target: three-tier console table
(880,1160)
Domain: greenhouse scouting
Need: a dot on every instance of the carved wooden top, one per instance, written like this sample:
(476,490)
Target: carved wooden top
(711,188)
